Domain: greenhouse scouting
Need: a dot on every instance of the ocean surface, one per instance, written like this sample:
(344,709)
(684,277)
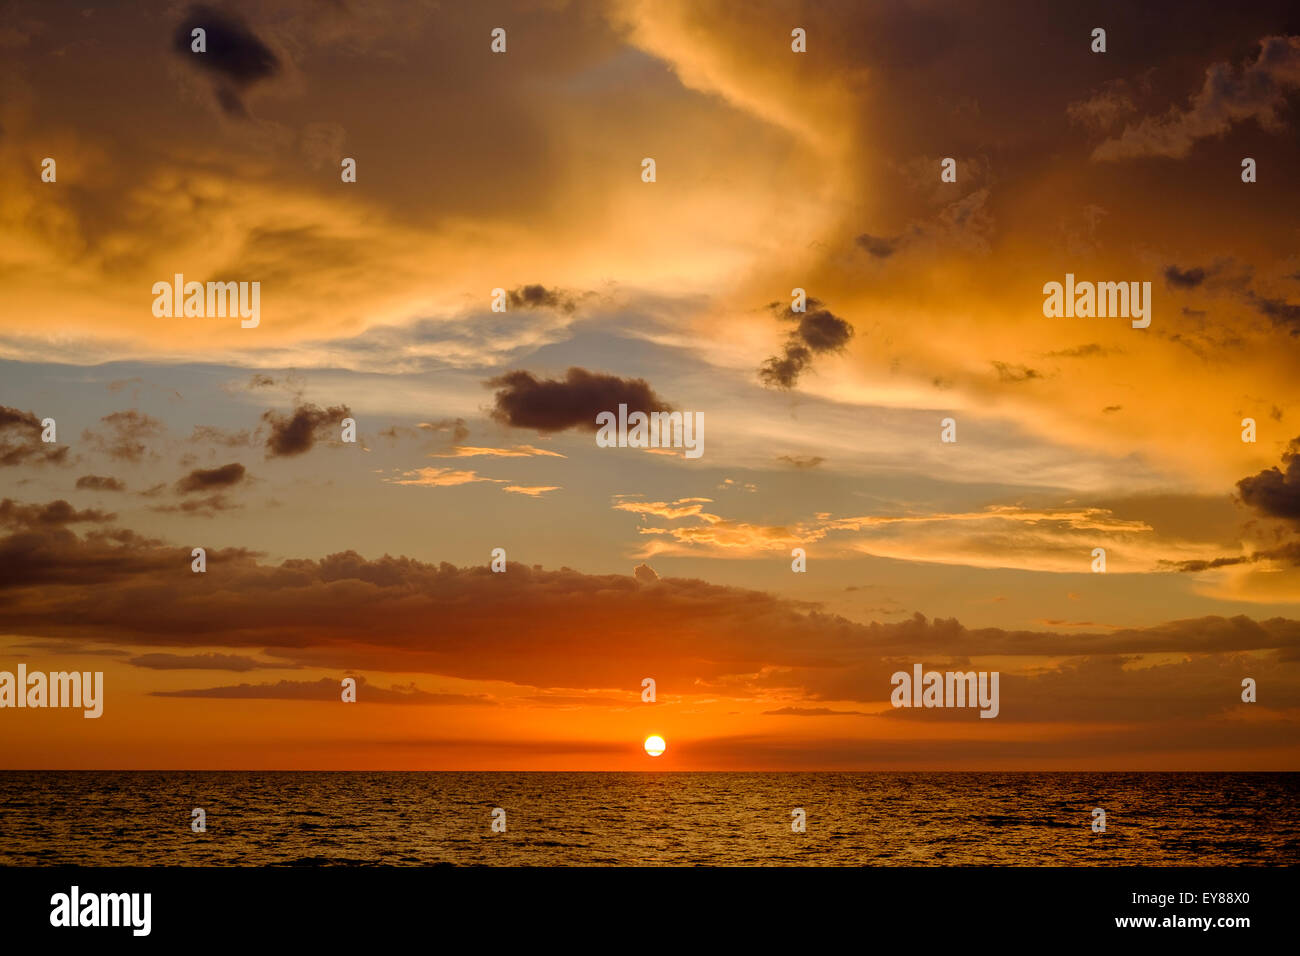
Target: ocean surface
(656,819)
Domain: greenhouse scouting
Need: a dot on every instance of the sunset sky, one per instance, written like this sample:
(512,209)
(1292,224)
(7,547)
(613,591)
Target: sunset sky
(476,429)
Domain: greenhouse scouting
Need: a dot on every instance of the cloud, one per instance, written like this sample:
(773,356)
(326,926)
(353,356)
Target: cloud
(100,483)
(451,431)
(296,433)
(1177,278)
(69,648)
(205,662)
(878,246)
(210,434)
(540,297)
(439,477)
(43,553)
(1011,374)
(551,405)
(562,629)
(235,57)
(1210,565)
(205,479)
(327,689)
(1104,108)
(818,331)
(1090,350)
(964,223)
(532,491)
(1257,90)
(199,507)
(801,461)
(1281,313)
(720,536)
(1043,540)
(645,574)
(681,508)
(20,440)
(517,451)
(455,427)
(814,712)
(123,435)
(1274,492)
(14,514)
(291,384)
(731,484)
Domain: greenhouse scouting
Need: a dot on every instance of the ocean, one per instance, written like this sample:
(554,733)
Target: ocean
(117,818)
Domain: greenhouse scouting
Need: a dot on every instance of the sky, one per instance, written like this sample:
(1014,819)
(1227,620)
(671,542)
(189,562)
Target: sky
(774,170)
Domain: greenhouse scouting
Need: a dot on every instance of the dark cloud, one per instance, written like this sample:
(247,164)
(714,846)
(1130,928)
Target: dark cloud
(814,712)
(1082,351)
(69,648)
(645,574)
(552,405)
(565,630)
(573,633)
(20,440)
(212,435)
(236,57)
(1177,278)
(964,223)
(100,483)
(297,433)
(446,431)
(1015,373)
(540,297)
(1274,492)
(1281,313)
(16,515)
(1195,566)
(205,479)
(455,428)
(1236,279)
(326,689)
(291,383)
(783,371)
(45,553)
(801,461)
(203,662)
(138,385)
(818,331)
(122,435)
(199,507)
(1257,90)
(879,246)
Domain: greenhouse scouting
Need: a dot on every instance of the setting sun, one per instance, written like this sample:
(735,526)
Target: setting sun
(654,746)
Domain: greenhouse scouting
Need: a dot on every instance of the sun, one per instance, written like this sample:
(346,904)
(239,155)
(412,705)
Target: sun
(655,745)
